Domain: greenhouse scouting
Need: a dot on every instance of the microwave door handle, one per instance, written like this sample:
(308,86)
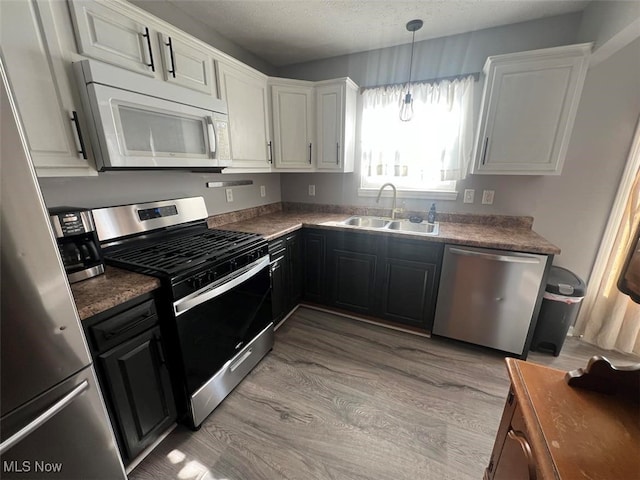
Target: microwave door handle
(212,137)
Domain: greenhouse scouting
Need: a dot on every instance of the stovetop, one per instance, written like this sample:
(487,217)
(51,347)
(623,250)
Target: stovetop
(178,253)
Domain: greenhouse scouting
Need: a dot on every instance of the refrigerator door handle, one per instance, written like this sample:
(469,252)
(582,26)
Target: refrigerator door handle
(44,418)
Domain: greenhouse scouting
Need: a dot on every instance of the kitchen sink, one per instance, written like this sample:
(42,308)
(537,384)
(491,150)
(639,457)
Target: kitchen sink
(366,222)
(400,226)
(405,226)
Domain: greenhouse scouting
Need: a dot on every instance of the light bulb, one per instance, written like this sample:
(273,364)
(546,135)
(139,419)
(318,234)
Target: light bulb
(406,110)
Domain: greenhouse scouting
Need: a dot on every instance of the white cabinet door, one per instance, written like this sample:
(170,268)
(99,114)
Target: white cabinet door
(293,133)
(44,99)
(245,92)
(336,118)
(528,110)
(104,33)
(185,64)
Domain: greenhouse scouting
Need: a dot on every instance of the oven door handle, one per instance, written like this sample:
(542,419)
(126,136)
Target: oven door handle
(185,305)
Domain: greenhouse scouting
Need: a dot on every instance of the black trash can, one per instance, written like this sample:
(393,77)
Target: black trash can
(560,305)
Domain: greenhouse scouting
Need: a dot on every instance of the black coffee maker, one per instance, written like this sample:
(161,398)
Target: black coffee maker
(78,242)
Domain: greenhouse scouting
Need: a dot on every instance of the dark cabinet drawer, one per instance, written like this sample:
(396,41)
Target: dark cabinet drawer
(122,326)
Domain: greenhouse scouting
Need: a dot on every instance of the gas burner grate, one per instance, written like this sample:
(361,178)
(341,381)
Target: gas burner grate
(173,255)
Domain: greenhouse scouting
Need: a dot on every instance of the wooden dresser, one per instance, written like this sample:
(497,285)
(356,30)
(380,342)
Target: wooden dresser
(550,430)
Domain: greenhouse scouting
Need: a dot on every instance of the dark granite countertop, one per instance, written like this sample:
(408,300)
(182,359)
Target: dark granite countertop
(489,235)
(106,291)
(116,286)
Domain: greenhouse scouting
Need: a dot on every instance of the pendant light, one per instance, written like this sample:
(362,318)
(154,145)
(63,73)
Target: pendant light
(406,109)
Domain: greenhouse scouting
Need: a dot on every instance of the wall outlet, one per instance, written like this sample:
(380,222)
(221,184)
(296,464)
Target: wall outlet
(312,190)
(263,191)
(469,195)
(229,193)
(487,197)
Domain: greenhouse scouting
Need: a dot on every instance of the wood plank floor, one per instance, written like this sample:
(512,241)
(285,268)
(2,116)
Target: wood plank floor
(341,399)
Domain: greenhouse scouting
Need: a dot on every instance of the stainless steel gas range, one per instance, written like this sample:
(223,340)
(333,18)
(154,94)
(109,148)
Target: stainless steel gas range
(215,307)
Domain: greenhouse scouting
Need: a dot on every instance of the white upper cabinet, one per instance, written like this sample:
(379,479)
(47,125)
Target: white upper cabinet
(529,105)
(117,33)
(104,31)
(43,90)
(292,109)
(336,120)
(245,91)
(185,64)
(314,124)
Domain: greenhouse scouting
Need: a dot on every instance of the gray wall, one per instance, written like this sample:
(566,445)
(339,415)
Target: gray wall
(570,210)
(439,57)
(610,22)
(117,188)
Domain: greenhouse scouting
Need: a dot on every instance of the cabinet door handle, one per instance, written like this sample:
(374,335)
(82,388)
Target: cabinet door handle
(338,153)
(310,146)
(83,150)
(484,151)
(172,71)
(270,146)
(526,450)
(148,37)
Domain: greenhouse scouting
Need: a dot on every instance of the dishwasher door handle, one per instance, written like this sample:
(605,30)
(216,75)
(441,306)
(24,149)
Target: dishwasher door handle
(494,257)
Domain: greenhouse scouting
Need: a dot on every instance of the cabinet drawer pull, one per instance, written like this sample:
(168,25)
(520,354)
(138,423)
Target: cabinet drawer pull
(172,71)
(128,326)
(74,119)
(270,145)
(526,450)
(310,146)
(148,37)
(338,153)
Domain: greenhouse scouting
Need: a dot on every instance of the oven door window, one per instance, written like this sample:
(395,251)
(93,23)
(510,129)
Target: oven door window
(211,333)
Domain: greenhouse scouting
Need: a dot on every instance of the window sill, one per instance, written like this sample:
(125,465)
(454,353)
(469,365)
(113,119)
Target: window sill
(431,195)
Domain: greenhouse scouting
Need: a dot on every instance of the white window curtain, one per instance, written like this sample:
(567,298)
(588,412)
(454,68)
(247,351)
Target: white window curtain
(611,319)
(433,149)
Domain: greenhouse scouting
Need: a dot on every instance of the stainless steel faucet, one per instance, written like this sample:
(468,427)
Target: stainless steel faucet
(394,210)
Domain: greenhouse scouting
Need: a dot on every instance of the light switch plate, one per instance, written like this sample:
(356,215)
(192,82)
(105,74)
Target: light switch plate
(469,195)
(487,197)
(229,193)
(263,191)
(312,190)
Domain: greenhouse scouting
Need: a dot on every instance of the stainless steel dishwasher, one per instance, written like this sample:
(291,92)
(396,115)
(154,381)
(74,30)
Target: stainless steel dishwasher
(487,297)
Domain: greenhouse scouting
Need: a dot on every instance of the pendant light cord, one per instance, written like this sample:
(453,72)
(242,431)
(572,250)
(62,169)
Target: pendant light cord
(413,40)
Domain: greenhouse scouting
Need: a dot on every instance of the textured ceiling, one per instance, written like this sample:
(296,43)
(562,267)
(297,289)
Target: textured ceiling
(284,32)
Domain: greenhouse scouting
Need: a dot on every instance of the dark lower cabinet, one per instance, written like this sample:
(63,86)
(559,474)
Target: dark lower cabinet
(352,271)
(408,295)
(140,389)
(294,269)
(391,278)
(127,348)
(278,285)
(410,278)
(286,274)
(314,258)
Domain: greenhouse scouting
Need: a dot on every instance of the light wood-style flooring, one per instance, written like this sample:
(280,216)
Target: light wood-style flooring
(342,399)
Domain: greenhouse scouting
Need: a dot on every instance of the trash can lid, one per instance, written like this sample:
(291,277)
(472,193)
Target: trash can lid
(564,282)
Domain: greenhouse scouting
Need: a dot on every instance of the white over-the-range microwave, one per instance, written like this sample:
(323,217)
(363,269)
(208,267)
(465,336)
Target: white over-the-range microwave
(137,122)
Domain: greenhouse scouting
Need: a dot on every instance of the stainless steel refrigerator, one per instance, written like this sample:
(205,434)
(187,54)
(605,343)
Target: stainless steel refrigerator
(53,420)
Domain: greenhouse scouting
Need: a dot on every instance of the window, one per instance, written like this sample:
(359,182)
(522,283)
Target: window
(429,152)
